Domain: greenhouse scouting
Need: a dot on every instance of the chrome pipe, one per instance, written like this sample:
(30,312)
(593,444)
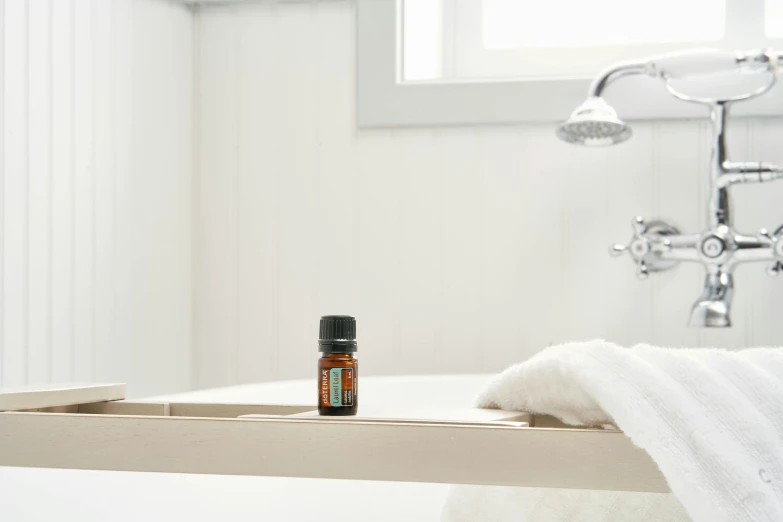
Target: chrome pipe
(658,246)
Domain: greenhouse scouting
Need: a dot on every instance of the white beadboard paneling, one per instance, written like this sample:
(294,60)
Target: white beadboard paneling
(2,187)
(675,201)
(83,183)
(341,178)
(376,192)
(420,173)
(260,147)
(462,215)
(761,209)
(104,107)
(119,353)
(15,193)
(215,307)
(582,178)
(95,203)
(40,190)
(459,250)
(542,263)
(630,181)
(161,195)
(505,249)
(295,256)
(63,296)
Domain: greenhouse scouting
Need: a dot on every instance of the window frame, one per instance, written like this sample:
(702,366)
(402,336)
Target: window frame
(465,38)
(384,100)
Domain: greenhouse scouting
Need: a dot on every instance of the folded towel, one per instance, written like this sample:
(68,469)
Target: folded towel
(711,419)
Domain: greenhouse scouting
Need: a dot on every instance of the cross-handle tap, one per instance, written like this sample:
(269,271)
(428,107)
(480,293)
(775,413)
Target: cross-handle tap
(649,243)
(777,239)
(657,246)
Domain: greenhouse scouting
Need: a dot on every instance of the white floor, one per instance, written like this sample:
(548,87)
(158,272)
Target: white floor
(28,495)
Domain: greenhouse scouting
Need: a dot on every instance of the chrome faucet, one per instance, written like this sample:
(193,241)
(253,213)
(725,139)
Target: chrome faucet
(656,246)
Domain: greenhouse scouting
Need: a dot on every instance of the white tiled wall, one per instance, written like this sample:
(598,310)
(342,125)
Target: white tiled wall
(95,192)
(459,249)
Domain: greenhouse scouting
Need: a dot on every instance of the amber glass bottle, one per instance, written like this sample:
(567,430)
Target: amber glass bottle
(337,368)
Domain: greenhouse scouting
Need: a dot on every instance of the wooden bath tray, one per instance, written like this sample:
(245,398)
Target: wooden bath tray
(91,427)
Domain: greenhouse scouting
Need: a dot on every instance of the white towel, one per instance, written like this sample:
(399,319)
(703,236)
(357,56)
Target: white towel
(711,419)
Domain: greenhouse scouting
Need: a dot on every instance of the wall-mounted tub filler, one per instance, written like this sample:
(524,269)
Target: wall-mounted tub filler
(657,246)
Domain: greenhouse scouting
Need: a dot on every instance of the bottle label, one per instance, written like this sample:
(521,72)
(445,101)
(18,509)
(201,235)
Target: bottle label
(337,387)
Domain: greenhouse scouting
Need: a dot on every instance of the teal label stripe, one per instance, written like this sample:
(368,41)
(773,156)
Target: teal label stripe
(338,396)
(336,386)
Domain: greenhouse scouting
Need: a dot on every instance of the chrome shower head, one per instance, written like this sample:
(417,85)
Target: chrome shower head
(594,123)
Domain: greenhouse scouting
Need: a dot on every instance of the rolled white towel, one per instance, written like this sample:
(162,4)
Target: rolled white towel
(711,419)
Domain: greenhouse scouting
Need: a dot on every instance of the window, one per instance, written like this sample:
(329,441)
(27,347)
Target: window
(491,61)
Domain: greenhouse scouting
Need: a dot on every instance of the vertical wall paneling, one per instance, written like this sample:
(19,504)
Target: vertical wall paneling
(118,355)
(460,250)
(761,209)
(582,181)
(15,193)
(215,307)
(2,189)
(40,189)
(507,304)
(285,238)
(463,252)
(376,194)
(102,197)
(674,201)
(95,215)
(128,254)
(160,196)
(62,291)
(83,133)
(540,227)
(420,174)
(629,307)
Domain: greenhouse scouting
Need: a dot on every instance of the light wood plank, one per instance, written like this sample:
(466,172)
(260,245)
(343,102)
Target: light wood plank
(125,408)
(509,456)
(62,394)
(402,413)
(233,410)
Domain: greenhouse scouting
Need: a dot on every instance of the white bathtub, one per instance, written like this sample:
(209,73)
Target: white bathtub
(69,495)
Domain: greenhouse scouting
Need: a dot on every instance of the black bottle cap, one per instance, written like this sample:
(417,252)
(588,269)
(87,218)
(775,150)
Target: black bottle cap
(337,334)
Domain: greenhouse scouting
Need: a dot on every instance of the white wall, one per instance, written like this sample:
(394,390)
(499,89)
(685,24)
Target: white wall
(460,249)
(95,192)
(125,127)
